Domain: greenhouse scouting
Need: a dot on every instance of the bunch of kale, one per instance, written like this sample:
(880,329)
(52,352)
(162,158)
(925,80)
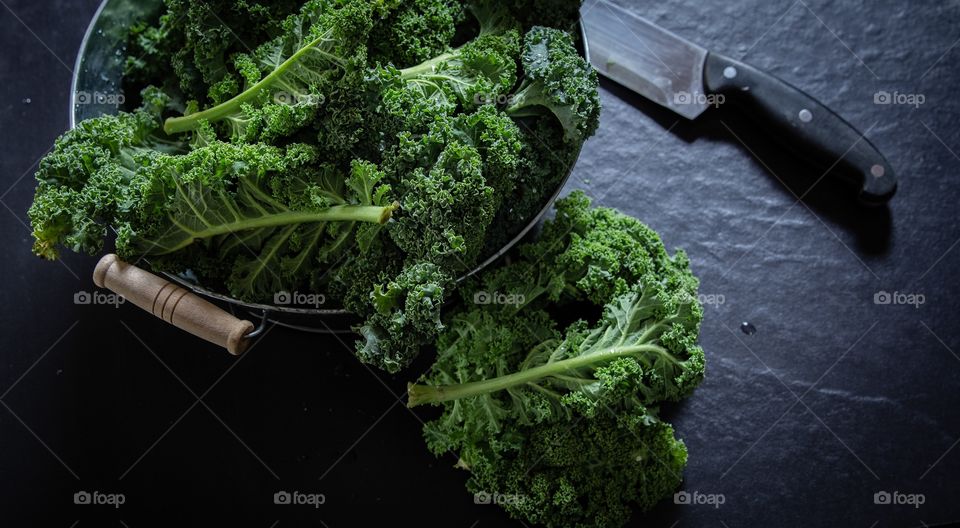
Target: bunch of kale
(552,372)
(370,150)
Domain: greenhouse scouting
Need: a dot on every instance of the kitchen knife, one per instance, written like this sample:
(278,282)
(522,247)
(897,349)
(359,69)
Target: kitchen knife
(689,80)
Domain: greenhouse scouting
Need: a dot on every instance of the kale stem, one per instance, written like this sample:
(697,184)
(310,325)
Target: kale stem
(177,125)
(340,213)
(426,68)
(424,394)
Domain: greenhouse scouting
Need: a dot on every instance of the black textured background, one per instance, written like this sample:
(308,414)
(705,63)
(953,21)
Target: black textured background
(834,399)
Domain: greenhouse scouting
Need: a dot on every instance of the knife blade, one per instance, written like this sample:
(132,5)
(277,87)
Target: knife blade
(688,79)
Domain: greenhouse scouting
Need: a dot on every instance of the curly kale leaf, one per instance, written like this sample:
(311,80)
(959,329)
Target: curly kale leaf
(407,317)
(482,70)
(567,427)
(564,422)
(288,77)
(653,330)
(588,474)
(85,183)
(601,254)
(415,31)
(196,38)
(269,211)
(558,80)
(545,160)
(445,209)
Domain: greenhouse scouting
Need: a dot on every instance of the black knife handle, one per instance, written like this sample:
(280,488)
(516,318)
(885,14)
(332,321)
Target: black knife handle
(803,124)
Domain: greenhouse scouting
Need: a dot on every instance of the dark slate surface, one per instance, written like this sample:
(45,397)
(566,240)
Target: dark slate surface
(832,400)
